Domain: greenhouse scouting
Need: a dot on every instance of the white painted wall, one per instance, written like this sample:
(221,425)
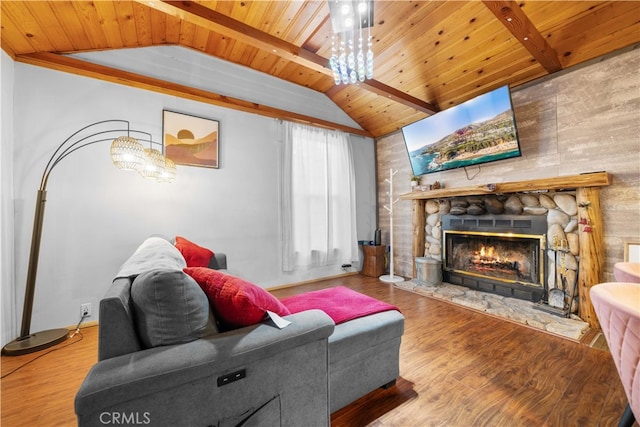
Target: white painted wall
(96,215)
(7,294)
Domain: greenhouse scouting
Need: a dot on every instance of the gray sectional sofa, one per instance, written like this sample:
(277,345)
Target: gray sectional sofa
(155,371)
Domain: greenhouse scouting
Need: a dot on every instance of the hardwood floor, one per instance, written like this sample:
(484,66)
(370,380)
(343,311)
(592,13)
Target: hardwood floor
(462,368)
(458,368)
(41,393)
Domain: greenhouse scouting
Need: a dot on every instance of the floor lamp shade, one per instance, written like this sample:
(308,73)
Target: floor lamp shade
(127,153)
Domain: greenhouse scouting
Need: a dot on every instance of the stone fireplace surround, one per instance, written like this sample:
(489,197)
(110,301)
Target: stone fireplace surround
(572,207)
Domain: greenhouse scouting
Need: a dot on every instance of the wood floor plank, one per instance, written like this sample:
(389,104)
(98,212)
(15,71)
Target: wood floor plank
(458,367)
(617,399)
(586,397)
(42,391)
(464,361)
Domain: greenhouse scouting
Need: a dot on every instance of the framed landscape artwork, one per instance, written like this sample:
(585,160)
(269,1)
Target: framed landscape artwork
(190,140)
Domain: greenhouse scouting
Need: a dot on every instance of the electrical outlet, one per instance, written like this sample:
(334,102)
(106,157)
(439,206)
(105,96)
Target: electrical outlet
(85,309)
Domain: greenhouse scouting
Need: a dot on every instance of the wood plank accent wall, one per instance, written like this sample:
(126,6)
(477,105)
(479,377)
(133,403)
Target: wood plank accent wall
(584,119)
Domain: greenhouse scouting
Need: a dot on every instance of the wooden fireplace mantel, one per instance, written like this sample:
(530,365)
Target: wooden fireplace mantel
(572,182)
(587,188)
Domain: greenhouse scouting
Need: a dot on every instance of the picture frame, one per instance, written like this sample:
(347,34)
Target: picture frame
(191,140)
(632,251)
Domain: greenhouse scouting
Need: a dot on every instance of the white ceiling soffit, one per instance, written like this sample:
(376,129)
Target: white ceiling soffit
(194,69)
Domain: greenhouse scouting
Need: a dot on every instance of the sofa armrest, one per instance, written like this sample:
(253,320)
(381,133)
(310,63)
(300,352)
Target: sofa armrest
(137,375)
(218,261)
(118,336)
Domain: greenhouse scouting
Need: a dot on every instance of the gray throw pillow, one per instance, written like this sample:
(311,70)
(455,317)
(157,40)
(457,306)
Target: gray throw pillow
(169,308)
(153,253)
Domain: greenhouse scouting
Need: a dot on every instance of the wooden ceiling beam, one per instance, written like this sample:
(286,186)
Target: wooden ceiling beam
(517,22)
(399,96)
(211,20)
(204,17)
(83,68)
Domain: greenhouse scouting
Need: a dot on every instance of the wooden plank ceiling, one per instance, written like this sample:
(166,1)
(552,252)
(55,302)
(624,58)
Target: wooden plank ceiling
(429,55)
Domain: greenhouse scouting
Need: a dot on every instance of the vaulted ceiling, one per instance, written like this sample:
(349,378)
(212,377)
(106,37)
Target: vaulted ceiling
(429,55)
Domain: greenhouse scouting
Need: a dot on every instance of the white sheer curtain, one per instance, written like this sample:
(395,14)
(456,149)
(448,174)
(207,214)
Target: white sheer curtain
(317,198)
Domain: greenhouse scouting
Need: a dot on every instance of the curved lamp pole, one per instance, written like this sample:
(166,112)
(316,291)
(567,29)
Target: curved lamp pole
(133,157)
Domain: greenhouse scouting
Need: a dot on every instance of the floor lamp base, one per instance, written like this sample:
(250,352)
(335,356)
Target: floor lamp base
(391,279)
(35,342)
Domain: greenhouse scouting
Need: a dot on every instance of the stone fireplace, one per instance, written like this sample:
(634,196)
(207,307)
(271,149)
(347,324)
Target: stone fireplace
(571,253)
(499,254)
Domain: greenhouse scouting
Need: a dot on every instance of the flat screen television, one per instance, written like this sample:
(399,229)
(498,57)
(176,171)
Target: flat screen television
(477,131)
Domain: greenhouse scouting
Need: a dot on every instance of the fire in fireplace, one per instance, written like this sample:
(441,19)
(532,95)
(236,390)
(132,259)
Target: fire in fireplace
(502,255)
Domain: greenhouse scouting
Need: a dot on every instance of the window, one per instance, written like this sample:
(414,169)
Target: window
(317,198)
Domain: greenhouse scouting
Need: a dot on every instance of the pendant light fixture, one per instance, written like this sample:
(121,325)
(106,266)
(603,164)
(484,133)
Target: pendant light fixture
(351,54)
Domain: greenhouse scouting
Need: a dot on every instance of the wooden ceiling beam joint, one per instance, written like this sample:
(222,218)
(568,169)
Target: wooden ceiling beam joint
(399,96)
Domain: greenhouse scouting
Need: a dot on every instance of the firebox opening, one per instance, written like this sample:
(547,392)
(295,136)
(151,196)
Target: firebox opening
(501,256)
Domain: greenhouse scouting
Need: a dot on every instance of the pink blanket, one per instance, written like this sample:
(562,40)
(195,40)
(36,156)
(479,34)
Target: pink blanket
(340,303)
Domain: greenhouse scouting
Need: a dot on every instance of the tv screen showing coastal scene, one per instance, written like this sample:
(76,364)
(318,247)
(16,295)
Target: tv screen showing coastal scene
(477,131)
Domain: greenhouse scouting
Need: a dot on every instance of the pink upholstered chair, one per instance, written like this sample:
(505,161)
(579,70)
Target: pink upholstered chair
(617,306)
(627,272)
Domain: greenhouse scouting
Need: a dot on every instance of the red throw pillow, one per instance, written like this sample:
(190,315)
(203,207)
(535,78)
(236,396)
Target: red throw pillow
(235,301)
(195,255)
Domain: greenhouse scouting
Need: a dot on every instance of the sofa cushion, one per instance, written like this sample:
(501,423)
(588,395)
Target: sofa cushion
(235,301)
(195,255)
(169,308)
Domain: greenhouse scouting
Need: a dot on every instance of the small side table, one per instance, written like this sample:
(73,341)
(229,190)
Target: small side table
(373,264)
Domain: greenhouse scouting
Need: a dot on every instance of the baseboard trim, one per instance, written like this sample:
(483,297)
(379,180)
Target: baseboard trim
(83,325)
(306,282)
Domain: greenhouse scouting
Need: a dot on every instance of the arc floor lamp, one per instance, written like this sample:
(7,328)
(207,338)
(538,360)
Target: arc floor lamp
(127,153)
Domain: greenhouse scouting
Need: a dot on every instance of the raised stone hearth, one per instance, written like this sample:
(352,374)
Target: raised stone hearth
(513,309)
(561,230)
